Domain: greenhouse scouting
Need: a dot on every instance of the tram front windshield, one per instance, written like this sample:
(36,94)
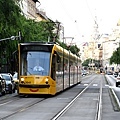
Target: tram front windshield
(35,63)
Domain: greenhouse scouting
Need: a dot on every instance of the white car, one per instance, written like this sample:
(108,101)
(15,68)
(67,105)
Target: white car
(84,72)
(118,80)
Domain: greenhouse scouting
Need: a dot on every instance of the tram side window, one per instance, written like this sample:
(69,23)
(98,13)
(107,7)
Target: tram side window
(58,59)
(71,65)
(58,62)
(59,67)
(24,64)
(66,65)
(56,65)
(53,68)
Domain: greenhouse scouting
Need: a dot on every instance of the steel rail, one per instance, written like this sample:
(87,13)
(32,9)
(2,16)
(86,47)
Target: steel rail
(23,109)
(99,105)
(58,115)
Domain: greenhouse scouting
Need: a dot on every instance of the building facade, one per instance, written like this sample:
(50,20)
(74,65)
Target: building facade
(30,10)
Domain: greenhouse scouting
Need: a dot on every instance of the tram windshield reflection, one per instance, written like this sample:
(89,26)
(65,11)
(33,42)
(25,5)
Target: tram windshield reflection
(35,63)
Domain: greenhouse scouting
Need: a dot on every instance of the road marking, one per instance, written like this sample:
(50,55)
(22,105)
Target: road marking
(85,84)
(95,84)
(62,98)
(6,103)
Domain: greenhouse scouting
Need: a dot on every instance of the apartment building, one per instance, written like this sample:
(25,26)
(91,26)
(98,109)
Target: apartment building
(31,11)
(110,46)
(103,48)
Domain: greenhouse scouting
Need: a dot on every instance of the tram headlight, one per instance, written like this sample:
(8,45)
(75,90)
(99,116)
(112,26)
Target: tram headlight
(22,80)
(46,80)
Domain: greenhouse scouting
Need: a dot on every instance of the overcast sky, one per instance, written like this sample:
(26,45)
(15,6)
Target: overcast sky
(77,16)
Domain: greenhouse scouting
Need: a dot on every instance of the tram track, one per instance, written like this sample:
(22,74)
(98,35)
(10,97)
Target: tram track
(20,109)
(8,99)
(99,105)
(72,102)
(56,107)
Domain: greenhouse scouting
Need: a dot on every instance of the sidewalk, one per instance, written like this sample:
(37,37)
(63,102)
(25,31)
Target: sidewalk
(110,109)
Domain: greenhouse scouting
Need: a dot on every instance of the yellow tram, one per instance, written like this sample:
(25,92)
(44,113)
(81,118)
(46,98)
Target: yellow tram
(46,68)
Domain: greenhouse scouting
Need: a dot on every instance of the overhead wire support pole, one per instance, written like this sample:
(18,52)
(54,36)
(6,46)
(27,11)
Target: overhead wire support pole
(56,29)
(69,38)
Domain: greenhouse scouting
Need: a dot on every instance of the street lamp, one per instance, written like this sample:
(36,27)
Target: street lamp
(12,38)
(3,52)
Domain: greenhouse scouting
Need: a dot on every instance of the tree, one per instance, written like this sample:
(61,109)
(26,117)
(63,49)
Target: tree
(37,31)
(74,49)
(86,62)
(10,18)
(115,58)
(89,61)
(12,22)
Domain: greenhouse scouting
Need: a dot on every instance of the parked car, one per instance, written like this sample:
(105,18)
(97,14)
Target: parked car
(16,80)
(109,73)
(115,74)
(10,84)
(84,72)
(118,80)
(2,86)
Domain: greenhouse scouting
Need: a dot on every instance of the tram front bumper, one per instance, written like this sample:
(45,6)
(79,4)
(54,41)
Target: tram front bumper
(34,89)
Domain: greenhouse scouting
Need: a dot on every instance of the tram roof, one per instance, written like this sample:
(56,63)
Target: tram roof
(38,43)
(56,47)
(66,52)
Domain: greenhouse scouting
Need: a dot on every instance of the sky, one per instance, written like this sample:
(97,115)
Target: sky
(78,16)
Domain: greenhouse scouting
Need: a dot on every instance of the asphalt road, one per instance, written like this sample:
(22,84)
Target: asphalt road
(83,109)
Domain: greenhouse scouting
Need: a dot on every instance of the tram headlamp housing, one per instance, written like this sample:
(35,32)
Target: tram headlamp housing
(46,80)
(22,80)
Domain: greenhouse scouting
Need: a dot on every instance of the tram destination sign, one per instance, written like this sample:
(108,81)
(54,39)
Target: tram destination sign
(36,48)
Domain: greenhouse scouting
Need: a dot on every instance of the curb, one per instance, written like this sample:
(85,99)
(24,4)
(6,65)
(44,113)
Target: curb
(114,99)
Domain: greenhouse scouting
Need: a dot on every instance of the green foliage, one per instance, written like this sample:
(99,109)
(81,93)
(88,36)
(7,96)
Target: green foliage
(9,17)
(75,50)
(86,62)
(89,61)
(115,58)
(37,31)
(12,22)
